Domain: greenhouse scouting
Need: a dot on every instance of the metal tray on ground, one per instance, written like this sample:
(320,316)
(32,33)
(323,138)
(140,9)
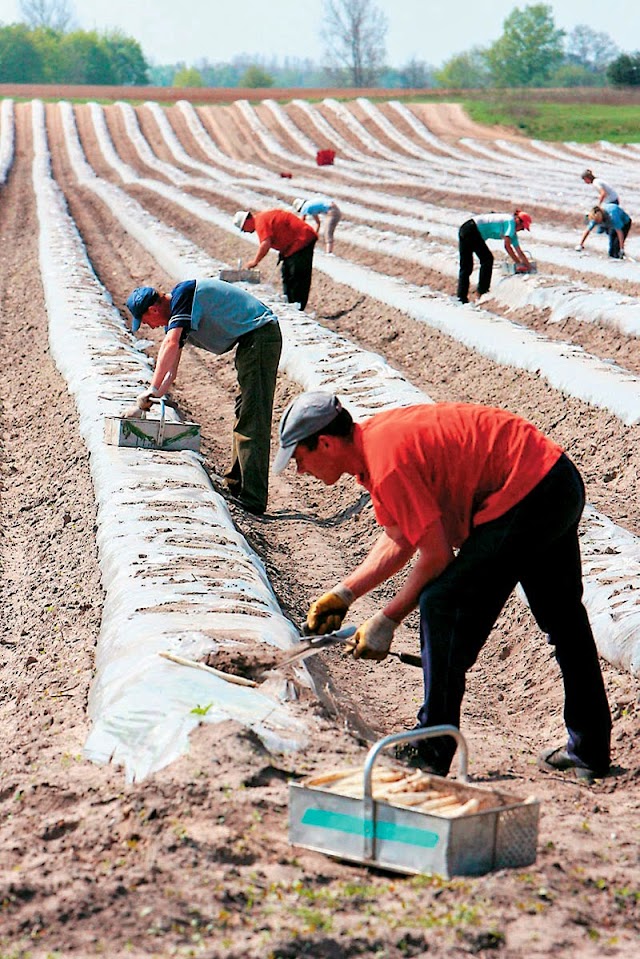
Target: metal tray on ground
(373,832)
(155,434)
(239,276)
(510,268)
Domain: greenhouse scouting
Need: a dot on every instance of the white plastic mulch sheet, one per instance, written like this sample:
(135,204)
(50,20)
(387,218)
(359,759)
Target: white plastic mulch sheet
(177,575)
(566,367)
(7,138)
(317,358)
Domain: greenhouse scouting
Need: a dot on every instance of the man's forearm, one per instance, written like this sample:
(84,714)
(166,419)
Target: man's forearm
(263,249)
(427,567)
(166,366)
(384,560)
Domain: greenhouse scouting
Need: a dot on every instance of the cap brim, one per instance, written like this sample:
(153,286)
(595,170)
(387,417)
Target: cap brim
(135,324)
(283,457)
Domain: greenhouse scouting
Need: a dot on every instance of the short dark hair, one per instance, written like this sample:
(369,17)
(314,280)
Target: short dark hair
(340,425)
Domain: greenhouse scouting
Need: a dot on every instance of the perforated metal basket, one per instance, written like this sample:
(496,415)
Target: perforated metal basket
(381,833)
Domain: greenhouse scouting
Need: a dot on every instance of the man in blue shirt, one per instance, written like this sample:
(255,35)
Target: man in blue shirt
(472,237)
(612,219)
(216,316)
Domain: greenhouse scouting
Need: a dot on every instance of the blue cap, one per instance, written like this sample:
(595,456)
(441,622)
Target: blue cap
(139,302)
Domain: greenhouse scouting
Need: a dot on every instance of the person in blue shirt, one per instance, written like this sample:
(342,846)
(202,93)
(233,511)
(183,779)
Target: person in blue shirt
(217,316)
(314,208)
(612,219)
(472,237)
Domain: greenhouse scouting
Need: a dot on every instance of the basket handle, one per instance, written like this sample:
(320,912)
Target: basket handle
(368,805)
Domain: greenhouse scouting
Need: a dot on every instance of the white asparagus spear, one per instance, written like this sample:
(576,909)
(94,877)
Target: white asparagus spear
(181,661)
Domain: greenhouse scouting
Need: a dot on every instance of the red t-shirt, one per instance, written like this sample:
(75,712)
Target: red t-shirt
(286,232)
(460,463)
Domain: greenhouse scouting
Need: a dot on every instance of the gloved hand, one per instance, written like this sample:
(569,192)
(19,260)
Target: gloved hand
(144,399)
(522,268)
(579,248)
(143,404)
(373,639)
(326,614)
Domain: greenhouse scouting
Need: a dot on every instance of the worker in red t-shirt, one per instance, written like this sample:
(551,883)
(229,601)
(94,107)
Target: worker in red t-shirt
(481,500)
(293,239)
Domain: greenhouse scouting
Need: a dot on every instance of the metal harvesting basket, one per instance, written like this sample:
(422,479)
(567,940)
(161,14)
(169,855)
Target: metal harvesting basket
(501,832)
(160,434)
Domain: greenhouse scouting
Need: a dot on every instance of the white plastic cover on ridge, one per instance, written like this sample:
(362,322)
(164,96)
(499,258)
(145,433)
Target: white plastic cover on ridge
(7,139)
(177,574)
(320,359)
(565,366)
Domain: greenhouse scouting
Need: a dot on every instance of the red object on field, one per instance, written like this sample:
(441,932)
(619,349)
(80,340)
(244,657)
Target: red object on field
(286,176)
(325,157)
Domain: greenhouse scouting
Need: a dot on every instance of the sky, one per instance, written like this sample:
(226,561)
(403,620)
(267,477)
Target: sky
(171,32)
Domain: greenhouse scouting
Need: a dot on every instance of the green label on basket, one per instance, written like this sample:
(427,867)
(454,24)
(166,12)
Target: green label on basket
(355,825)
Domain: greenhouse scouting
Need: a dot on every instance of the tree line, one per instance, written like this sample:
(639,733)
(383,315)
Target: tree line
(45,55)
(47,47)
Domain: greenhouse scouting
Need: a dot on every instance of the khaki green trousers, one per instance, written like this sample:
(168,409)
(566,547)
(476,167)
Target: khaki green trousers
(256,362)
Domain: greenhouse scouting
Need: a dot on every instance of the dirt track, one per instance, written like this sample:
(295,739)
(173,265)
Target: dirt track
(195,860)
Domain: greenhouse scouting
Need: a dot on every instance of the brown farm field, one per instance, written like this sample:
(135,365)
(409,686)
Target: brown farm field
(193,860)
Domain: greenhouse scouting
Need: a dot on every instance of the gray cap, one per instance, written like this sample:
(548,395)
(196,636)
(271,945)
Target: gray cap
(302,418)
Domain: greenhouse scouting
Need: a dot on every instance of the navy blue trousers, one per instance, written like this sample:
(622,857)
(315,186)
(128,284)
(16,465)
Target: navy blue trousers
(535,544)
(296,273)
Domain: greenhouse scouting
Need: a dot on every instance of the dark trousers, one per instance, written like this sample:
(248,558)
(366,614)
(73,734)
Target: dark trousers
(614,242)
(536,544)
(296,275)
(469,242)
(256,361)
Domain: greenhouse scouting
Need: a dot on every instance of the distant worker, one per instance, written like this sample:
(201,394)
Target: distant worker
(216,316)
(612,219)
(293,239)
(471,239)
(315,206)
(606,193)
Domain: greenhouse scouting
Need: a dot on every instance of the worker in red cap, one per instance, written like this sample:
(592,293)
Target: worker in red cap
(293,239)
(472,238)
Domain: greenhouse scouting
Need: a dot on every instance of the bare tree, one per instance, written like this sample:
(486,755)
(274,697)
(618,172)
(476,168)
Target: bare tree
(54,14)
(354,32)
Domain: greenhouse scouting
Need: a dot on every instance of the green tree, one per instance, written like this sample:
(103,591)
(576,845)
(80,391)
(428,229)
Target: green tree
(576,75)
(255,77)
(47,41)
(529,49)
(624,71)
(188,77)
(128,65)
(20,59)
(83,59)
(465,71)
(354,33)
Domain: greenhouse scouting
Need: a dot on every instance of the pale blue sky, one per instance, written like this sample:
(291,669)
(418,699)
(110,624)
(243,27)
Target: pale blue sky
(430,30)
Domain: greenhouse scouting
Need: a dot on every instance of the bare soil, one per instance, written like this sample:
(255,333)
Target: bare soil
(195,861)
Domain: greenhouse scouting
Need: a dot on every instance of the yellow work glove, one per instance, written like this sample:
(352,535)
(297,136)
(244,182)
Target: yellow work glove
(326,614)
(373,639)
